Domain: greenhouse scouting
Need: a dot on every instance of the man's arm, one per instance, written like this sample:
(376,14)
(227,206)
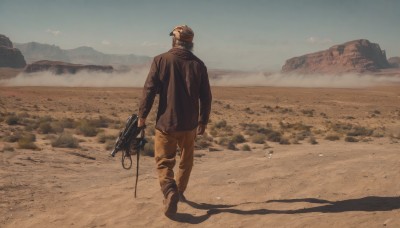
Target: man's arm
(149,92)
(205,102)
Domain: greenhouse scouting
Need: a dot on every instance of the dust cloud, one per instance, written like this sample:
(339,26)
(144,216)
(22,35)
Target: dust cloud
(307,81)
(133,78)
(137,77)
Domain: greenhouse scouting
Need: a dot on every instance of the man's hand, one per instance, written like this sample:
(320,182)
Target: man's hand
(141,122)
(201,128)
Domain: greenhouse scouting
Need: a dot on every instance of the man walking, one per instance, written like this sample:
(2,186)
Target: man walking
(181,80)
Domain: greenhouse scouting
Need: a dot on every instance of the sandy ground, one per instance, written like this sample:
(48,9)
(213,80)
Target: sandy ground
(330,184)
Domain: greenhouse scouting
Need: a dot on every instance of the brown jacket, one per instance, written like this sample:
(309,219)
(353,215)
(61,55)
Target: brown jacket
(181,79)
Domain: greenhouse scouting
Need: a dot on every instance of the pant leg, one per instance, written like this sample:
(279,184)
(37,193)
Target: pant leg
(165,151)
(186,144)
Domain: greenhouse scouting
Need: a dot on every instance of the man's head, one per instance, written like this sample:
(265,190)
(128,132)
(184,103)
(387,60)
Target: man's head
(182,37)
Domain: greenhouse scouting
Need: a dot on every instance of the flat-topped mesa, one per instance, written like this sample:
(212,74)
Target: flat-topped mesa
(354,56)
(10,56)
(58,67)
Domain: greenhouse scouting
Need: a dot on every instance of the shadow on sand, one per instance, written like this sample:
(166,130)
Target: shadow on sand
(367,204)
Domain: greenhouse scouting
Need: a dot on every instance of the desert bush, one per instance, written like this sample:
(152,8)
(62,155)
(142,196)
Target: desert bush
(231,146)
(258,138)
(342,128)
(360,131)
(202,143)
(102,138)
(45,128)
(308,112)
(274,136)
(312,140)
(101,122)
(332,137)
(223,141)
(12,119)
(8,148)
(284,141)
(27,142)
(85,128)
(67,123)
(148,149)
(295,126)
(65,140)
(220,124)
(238,138)
(350,139)
(213,132)
(13,137)
(246,147)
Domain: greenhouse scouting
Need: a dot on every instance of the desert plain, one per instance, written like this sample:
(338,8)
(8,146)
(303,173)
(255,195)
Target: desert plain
(271,157)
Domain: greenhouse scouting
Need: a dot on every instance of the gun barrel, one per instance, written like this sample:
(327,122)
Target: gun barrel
(114,152)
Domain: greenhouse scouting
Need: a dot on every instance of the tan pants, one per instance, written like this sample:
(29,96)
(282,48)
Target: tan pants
(166,145)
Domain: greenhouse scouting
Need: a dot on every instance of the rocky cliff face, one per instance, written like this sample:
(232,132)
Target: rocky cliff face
(64,68)
(354,56)
(9,56)
(394,62)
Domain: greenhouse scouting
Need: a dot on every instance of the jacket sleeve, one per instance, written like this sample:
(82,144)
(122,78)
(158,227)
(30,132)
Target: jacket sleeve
(205,98)
(149,91)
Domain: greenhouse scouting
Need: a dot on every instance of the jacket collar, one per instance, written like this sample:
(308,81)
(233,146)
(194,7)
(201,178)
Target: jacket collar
(181,53)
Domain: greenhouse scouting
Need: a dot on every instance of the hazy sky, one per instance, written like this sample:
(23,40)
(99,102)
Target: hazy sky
(248,35)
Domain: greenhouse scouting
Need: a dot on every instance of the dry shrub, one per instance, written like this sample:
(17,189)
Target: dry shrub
(246,147)
(284,141)
(312,140)
(27,142)
(101,122)
(203,142)
(13,137)
(65,140)
(67,123)
(223,141)
(45,128)
(360,131)
(12,119)
(84,127)
(332,137)
(148,149)
(350,139)
(8,148)
(231,146)
(308,112)
(238,138)
(258,138)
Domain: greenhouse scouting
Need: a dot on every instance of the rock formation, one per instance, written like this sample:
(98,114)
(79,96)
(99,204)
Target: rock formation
(354,56)
(10,56)
(64,68)
(34,51)
(394,62)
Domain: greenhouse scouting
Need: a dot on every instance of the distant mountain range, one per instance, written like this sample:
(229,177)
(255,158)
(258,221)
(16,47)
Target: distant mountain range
(34,51)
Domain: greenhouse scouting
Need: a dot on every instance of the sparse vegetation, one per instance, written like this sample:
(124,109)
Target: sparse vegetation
(12,119)
(238,138)
(65,140)
(332,137)
(258,138)
(85,128)
(246,147)
(350,139)
(27,142)
(148,149)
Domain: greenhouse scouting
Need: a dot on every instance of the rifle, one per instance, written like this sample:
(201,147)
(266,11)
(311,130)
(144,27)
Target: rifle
(129,143)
